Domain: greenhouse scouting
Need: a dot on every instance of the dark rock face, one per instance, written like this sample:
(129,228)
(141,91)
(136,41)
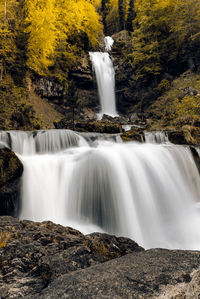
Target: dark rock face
(33,255)
(10,172)
(47,88)
(95,126)
(195,156)
(78,93)
(177,137)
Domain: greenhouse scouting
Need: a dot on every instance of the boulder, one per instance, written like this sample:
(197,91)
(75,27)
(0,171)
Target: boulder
(10,173)
(154,273)
(45,260)
(33,255)
(135,134)
(97,126)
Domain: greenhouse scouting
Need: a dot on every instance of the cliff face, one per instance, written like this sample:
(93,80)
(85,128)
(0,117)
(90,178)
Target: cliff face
(77,95)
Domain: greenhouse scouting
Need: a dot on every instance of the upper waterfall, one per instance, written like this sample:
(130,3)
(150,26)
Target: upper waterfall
(105,77)
(109,41)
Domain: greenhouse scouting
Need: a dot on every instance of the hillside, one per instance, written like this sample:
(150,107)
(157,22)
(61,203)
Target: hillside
(156,58)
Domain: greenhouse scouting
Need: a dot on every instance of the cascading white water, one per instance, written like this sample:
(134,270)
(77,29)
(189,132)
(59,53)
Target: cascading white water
(148,192)
(29,143)
(109,41)
(156,137)
(105,77)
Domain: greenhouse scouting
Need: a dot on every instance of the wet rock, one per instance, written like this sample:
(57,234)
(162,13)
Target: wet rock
(98,126)
(196,156)
(135,134)
(177,137)
(11,170)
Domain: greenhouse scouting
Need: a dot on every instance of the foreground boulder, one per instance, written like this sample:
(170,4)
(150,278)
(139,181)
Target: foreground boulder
(155,273)
(10,173)
(33,255)
(45,260)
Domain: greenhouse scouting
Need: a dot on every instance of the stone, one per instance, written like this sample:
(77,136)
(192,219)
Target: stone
(177,137)
(96,126)
(135,134)
(46,260)
(196,156)
(144,274)
(33,255)
(11,170)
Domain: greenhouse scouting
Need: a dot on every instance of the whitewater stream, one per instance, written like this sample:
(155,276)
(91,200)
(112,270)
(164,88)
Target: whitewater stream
(149,192)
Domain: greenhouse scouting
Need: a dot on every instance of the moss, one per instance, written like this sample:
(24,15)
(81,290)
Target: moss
(15,112)
(179,107)
(102,248)
(5,237)
(10,166)
(134,134)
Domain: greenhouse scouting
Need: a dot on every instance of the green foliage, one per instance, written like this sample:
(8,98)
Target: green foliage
(15,113)
(180,104)
(166,37)
(7,34)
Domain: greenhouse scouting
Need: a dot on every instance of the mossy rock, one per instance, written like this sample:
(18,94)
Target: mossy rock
(10,173)
(109,247)
(10,166)
(134,134)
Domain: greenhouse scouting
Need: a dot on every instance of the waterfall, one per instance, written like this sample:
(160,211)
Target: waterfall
(148,192)
(156,137)
(109,41)
(29,143)
(105,77)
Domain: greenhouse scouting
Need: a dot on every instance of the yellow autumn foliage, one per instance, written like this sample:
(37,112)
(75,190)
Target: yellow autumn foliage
(7,35)
(53,26)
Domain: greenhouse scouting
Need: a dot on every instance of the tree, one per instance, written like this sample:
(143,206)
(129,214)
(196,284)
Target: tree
(8,10)
(104,11)
(185,27)
(121,14)
(41,27)
(131,15)
(58,30)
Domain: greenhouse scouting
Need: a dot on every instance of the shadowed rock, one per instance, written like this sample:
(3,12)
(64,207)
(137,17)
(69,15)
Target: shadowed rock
(10,172)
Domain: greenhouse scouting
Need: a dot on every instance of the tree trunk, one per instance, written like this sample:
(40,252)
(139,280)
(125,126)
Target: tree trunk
(131,15)
(1,71)
(121,15)
(5,10)
(104,11)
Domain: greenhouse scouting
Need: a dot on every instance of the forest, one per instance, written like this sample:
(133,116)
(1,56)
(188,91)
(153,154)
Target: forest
(46,38)
(99,149)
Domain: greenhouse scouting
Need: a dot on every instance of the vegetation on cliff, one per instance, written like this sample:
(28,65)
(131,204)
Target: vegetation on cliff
(166,37)
(178,107)
(47,38)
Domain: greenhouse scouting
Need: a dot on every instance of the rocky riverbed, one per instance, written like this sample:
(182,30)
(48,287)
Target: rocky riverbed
(45,260)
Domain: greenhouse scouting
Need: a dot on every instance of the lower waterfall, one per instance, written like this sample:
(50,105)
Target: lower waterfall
(148,192)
